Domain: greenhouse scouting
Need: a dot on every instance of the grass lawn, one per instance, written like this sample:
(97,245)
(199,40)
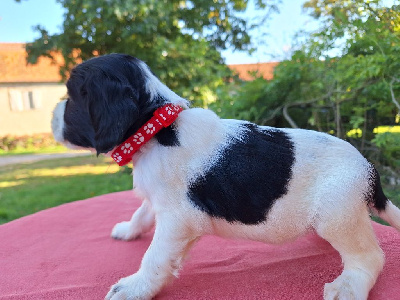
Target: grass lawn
(28,188)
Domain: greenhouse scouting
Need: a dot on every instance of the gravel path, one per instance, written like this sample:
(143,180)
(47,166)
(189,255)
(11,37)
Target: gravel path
(17,159)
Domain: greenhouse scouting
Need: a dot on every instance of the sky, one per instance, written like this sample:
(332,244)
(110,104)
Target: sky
(18,19)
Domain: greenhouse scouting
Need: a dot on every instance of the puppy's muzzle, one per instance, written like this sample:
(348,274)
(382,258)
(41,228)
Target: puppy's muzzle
(57,122)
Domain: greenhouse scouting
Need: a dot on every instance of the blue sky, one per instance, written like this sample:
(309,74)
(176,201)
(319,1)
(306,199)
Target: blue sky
(17,21)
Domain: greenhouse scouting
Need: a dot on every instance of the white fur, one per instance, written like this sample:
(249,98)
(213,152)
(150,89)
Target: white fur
(317,200)
(57,122)
(155,87)
(391,215)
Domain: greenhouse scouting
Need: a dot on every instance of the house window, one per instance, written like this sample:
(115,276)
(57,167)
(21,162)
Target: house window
(23,100)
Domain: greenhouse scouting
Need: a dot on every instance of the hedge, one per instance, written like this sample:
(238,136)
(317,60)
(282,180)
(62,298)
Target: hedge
(36,141)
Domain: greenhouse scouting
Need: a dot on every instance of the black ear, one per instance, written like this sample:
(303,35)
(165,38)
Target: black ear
(113,109)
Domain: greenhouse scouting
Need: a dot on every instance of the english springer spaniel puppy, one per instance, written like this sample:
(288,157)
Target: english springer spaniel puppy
(199,174)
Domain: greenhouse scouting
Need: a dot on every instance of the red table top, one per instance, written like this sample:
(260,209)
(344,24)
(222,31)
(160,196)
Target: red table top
(66,253)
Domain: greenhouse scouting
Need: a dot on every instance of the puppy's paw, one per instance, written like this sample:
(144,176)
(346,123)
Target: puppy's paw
(334,292)
(348,286)
(129,288)
(124,231)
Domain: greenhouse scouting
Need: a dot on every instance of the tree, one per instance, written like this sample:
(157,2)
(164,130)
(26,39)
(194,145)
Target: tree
(344,79)
(180,40)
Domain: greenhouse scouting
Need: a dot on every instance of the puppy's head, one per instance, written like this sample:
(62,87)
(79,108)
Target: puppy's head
(109,98)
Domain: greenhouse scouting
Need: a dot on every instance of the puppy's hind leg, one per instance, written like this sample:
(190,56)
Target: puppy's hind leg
(141,222)
(353,237)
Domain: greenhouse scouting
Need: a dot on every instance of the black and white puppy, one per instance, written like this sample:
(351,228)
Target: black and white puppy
(205,175)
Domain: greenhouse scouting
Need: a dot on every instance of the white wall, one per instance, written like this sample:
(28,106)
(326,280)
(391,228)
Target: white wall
(26,108)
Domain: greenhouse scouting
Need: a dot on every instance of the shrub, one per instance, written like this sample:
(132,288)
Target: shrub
(389,146)
(34,142)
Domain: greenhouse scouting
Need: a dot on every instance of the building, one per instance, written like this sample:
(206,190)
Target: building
(28,93)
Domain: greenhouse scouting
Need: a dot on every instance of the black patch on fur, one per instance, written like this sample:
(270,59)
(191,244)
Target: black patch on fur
(250,175)
(376,195)
(168,136)
(108,102)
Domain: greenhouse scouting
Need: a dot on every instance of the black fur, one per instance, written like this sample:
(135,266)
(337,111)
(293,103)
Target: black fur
(376,196)
(250,175)
(108,103)
(168,136)
(78,130)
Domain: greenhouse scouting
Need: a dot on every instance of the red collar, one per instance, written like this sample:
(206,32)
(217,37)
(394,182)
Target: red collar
(162,117)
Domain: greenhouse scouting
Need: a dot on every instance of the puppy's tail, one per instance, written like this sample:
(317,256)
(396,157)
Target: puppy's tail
(390,214)
(379,204)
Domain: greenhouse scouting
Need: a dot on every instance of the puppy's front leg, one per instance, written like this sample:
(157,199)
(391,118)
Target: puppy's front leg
(161,262)
(141,222)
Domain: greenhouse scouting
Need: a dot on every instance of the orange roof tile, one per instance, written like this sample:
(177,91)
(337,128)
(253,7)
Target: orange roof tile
(244,70)
(14,68)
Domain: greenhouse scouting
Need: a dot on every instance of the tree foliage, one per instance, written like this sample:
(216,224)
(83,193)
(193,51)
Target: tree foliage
(344,79)
(180,40)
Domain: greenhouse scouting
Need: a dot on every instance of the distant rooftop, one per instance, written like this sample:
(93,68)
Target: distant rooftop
(245,71)
(14,68)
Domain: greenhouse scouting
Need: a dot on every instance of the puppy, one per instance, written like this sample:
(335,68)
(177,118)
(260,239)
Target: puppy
(199,174)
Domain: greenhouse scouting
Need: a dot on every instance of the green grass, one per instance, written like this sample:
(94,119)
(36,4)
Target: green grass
(28,188)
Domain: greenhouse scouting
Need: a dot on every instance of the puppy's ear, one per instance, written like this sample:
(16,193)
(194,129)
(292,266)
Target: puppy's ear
(113,109)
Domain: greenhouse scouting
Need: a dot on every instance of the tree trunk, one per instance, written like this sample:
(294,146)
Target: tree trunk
(288,117)
(338,120)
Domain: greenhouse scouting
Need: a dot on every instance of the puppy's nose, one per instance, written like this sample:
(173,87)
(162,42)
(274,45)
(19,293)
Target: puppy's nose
(57,122)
